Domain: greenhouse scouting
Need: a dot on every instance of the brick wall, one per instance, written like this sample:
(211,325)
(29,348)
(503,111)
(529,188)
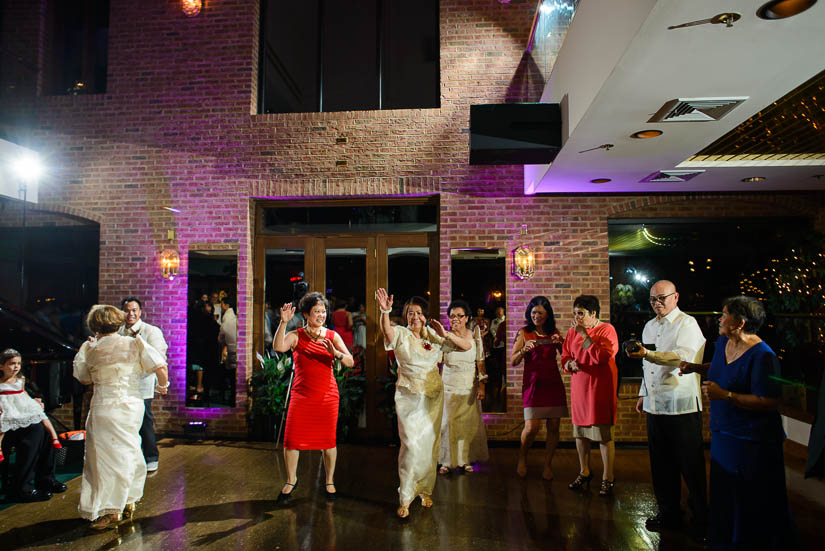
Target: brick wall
(177,127)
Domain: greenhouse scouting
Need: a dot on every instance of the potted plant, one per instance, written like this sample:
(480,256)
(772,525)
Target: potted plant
(268,393)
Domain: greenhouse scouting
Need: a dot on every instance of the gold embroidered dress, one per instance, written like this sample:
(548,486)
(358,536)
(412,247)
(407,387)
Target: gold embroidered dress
(463,437)
(114,470)
(419,404)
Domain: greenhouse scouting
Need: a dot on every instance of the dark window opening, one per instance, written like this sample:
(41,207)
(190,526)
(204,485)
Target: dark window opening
(77,47)
(319,56)
(350,219)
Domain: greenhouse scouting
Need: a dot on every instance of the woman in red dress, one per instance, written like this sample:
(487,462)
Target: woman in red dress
(589,353)
(313,405)
(542,389)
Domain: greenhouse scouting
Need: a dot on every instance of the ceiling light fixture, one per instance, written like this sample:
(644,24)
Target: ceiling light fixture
(646,134)
(753,179)
(600,180)
(780,9)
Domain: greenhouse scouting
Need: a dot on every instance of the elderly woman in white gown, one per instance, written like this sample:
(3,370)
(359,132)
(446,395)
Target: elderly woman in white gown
(463,437)
(114,470)
(419,399)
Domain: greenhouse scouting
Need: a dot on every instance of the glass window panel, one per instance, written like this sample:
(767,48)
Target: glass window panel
(289,57)
(478,277)
(350,219)
(210,374)
(350,56)
(408,275)
(410,60)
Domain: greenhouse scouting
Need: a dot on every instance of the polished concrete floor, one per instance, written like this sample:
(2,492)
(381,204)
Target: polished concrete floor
(221,496)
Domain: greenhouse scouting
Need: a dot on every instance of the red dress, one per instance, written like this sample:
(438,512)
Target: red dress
(542,389)
(593,388)
(339,320)
(313,404)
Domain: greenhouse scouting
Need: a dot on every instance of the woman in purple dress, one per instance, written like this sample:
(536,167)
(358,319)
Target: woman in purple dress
(543,394)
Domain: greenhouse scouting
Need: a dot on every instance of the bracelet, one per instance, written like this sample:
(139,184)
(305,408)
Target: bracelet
(729,397)
(168,382)
(387,311)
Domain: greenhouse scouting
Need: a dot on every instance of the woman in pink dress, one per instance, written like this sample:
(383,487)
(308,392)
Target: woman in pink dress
(542,389)
(589,354)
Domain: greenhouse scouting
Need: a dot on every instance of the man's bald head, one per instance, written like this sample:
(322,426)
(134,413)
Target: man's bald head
(663,297)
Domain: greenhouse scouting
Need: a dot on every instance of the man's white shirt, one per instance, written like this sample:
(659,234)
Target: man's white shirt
(154,336)
(665,392)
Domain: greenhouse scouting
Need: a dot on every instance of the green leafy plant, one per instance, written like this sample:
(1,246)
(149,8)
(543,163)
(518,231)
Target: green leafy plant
(351,387)
(268,386)
(387,388)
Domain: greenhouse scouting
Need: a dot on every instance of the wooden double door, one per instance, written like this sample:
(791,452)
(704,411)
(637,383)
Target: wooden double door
(348,269)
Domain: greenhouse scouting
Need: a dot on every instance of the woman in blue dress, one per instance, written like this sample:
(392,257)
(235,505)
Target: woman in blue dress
(748,497)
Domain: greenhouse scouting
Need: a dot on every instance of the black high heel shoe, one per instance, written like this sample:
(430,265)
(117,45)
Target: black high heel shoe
(284,498)
(580,481)
(606,488)
(330,495)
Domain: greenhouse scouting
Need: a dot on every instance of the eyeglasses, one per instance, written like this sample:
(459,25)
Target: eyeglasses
(660,298)
(457,316)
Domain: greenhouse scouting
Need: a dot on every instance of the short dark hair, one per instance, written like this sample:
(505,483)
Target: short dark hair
(588,302)
(229,302)
(747,309)
(419,301)
(549,326)
(130,299)
(8,354)
(309,300)
(458,303)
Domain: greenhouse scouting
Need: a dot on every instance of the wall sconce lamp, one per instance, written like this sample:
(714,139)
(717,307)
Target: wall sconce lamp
(169,264)
(191,8)
(524,262)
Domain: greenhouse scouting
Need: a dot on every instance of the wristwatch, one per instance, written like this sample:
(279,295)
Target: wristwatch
(729,396)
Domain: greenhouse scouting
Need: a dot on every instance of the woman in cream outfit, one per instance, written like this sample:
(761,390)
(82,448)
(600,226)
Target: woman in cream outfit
(114,470)
(419,400)
(463,438)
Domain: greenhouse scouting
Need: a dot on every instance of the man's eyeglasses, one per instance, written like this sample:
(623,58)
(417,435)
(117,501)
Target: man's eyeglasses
(457,316)
(660,298)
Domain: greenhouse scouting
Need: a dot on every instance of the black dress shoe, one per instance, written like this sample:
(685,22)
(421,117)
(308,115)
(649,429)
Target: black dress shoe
(54,487)
(659,523)
(33,495)
(330,495)
(284,498)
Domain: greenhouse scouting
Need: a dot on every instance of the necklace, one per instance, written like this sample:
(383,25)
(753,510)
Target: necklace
(313,336)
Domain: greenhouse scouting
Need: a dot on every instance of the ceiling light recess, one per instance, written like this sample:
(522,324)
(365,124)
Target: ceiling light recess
(780,9)
(600,180)
(753,179)
(646,134)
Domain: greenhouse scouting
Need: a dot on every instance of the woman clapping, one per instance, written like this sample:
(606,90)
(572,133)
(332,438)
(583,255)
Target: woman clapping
(419,399)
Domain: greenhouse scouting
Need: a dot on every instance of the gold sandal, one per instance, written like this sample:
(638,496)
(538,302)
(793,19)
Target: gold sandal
(129,511)
(403,512)
(426,501)
(106,521)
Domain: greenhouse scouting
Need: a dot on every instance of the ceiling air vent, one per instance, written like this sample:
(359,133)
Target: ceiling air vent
(672,176)
(696,109)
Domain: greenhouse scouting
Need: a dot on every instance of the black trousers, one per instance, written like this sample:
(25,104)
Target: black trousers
(148,442)
(676,451)
(34,460)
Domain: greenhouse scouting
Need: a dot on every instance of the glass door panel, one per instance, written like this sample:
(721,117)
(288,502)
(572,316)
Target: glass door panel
(346,287)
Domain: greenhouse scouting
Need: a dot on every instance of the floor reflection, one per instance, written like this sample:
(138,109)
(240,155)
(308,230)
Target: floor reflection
(218,496)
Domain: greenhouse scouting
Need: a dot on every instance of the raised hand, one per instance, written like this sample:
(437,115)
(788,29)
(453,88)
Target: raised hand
(384,299)
(438,328)
(287,312)
(580,328)
(329,346)
(528,346)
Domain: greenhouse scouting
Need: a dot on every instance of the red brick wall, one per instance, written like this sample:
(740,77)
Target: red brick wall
(178,127)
